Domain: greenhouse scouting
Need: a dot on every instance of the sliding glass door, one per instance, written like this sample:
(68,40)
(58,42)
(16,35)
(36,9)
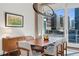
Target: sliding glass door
(73,26)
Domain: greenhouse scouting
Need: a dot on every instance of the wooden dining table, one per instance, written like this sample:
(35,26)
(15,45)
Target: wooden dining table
(41,42)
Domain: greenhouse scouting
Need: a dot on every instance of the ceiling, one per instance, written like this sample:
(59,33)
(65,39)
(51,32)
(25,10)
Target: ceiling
(62,5)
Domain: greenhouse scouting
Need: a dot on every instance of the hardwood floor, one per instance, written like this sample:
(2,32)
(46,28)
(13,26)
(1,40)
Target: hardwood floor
(73,51)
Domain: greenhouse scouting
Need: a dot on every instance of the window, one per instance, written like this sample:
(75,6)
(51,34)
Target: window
(53,24)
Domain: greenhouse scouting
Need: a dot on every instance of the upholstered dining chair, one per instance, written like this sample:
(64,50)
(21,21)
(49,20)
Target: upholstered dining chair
(53,49)
(34,48)
(37,49)
(23,45)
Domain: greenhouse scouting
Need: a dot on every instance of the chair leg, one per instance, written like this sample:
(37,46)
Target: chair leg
(59,52)
(27,53)
(66,48)
(63,49)
(62,52)
(3,52)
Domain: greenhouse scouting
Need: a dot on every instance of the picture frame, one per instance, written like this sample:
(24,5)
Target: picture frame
(13,20)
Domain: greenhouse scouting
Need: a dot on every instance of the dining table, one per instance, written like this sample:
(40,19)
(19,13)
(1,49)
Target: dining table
(39,42)
(42,42)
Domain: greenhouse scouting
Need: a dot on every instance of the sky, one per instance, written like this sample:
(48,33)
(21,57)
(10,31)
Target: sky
(71,13)
(59,12)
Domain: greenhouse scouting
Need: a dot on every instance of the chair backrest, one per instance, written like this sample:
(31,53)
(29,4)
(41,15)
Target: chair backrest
(49,48)
(52,48)
(25,45)
(9,44)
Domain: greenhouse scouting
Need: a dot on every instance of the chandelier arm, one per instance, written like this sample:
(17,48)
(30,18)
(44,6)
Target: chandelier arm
(37,11)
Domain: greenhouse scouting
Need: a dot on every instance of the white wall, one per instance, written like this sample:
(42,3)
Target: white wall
(24,9)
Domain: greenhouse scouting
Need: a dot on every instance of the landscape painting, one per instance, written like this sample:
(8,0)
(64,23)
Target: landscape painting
(13,20)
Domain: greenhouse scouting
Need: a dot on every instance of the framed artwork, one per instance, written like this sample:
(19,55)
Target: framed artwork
(13,20)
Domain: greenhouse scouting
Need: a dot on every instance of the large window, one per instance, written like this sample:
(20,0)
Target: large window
(71,18)
(54,24)
(73,23)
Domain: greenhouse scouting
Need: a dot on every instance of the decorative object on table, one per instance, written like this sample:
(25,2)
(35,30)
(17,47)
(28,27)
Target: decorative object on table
(46,38)
(13,20)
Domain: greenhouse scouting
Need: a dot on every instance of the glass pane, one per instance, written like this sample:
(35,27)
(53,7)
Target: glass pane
(77,40)
(60,16)
(54,24)
(73,23)
(72,38)
(72,32)
(77,18)
(78,32)
(77,37)
(71,18)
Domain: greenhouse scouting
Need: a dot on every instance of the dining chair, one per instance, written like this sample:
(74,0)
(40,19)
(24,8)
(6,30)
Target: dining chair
(53,49)
(23,45)
(34,48)
(49,50)
(59,50)
(37,49)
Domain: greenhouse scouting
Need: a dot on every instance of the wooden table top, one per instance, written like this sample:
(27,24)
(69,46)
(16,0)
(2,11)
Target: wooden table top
(39,42)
